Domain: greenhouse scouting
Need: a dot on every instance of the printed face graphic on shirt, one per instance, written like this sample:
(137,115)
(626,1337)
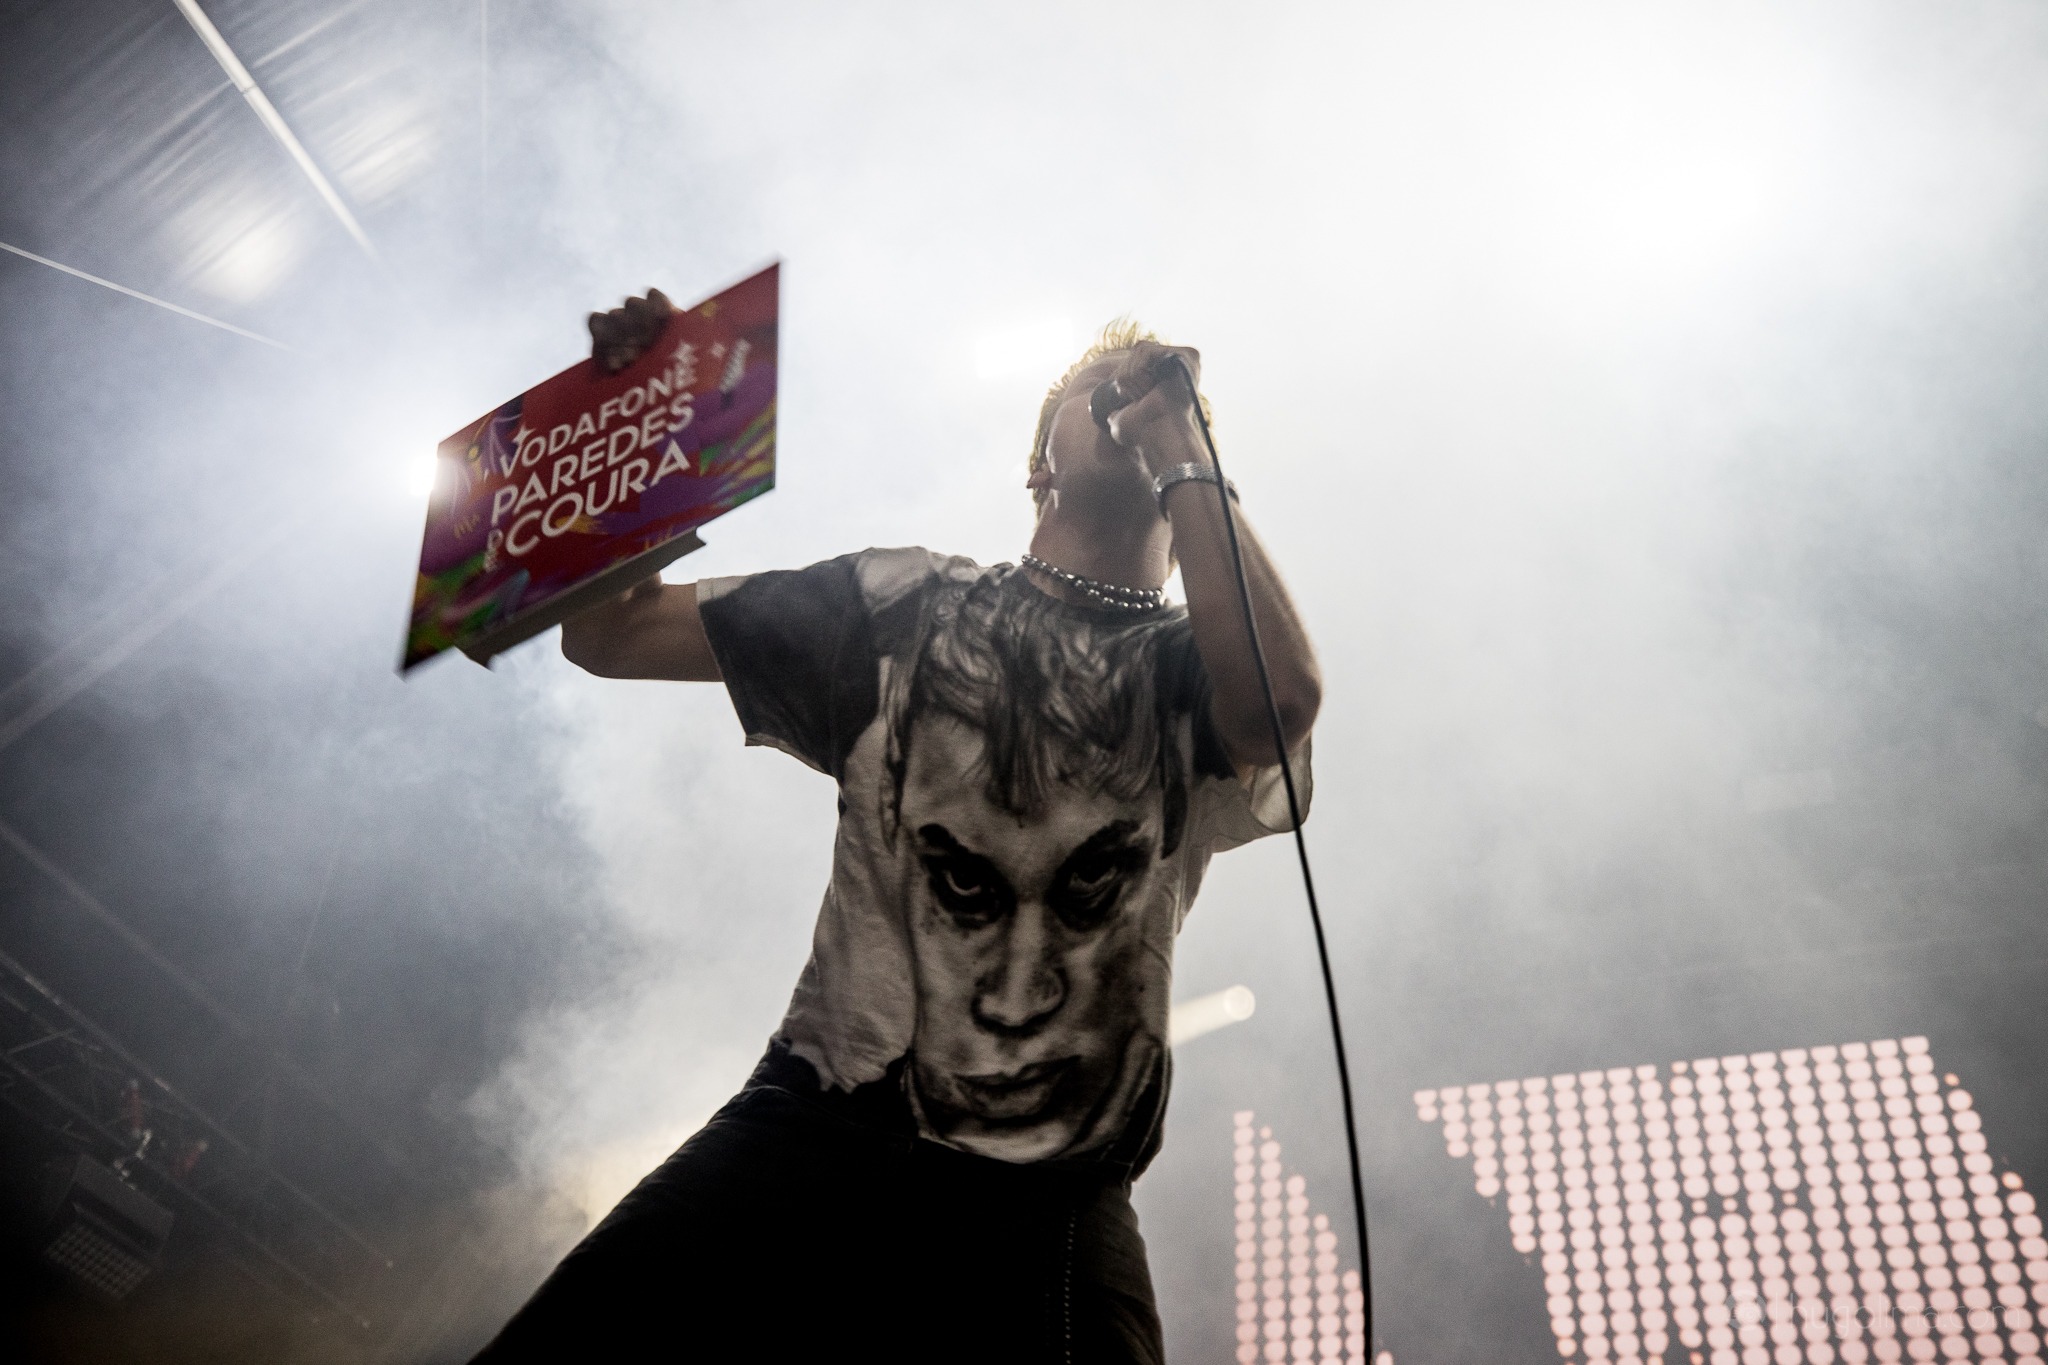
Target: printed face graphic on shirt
(1029,949)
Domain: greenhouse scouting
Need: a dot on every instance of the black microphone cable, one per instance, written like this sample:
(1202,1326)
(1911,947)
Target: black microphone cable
(1308,881)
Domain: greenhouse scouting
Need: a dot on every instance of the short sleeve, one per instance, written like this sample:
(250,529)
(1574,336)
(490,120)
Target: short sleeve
(1229,811)
(796,648)
(1226,806)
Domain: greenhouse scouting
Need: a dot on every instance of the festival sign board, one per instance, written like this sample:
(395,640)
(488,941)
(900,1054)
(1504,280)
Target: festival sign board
(589,482)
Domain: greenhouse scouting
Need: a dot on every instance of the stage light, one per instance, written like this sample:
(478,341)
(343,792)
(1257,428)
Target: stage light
(1908,1247)
(100,1230)
(1191,1019)
(1295,1301)
(237,244)
(423,475)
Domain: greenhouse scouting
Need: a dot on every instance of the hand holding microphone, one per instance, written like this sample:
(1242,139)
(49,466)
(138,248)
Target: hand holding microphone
(1150,407)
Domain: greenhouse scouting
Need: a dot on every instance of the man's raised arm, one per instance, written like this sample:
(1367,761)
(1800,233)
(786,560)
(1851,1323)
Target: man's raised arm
(652,631)
(1163,427)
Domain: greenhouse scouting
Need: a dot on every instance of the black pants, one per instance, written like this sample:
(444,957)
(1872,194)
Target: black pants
(783,1231)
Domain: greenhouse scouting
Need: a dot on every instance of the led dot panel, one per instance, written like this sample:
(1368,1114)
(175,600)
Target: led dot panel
(1294,1302)
(97,1260)
(1806,1206)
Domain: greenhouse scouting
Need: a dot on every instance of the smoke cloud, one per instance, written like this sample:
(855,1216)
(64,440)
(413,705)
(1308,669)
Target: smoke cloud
(1643,404)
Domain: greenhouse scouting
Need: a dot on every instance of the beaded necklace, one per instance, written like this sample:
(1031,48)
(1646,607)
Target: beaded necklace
(1102,594)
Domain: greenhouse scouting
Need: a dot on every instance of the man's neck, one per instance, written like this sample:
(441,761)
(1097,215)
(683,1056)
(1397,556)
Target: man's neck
(1122,554)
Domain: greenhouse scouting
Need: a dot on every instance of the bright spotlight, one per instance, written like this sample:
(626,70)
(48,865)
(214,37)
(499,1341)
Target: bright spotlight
(1190,1019)
(423,475)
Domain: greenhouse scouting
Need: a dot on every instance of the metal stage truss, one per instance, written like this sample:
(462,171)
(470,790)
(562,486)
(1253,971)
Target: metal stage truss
(76,1081)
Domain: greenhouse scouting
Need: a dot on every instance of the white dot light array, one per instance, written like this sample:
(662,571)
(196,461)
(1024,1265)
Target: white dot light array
(1800,1207)
(1294,1302)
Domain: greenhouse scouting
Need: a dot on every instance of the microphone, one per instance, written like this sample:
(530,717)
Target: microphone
(1112,395)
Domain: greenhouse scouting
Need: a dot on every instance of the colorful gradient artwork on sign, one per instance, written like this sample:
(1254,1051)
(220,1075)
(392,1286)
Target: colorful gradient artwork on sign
(589,481)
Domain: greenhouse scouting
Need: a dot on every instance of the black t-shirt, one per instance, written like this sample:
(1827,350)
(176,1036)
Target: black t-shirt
(1029,794)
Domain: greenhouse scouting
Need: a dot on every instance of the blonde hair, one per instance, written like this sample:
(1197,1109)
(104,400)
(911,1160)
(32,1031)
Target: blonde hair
(1118,335)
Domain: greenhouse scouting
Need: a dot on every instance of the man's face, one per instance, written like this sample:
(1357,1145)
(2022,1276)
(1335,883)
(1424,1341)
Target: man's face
(1028,945)
(1094,476)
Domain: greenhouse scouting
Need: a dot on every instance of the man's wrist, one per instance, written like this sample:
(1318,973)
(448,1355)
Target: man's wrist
(1183,445)
(1188,472)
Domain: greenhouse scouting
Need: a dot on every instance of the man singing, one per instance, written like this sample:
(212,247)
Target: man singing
(933,1162)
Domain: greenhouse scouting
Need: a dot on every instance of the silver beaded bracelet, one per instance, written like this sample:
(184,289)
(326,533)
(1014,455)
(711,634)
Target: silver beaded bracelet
(1185,473)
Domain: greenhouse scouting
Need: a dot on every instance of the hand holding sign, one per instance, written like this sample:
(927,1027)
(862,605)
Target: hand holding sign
(598,477)
(617,338)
